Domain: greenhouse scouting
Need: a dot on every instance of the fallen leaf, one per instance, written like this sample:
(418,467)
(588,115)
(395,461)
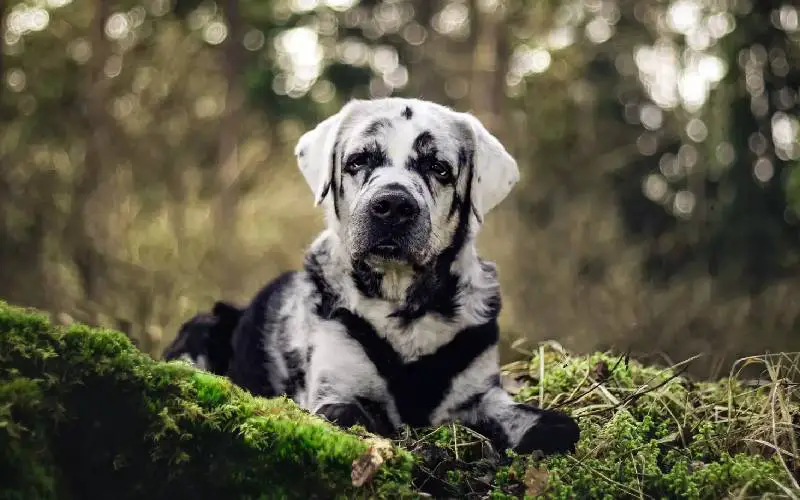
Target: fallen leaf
(365,466)
(535,481)
(601,372)
(696,465)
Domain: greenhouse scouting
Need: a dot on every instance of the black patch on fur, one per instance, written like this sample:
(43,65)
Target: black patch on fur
(336,193)
(367,280)
(325,191)
(425,152)
(463,164)
(418,387)
(371,157)
(487,426)
(469,404)
(407,113)
(327,297)
(350,414)
(492,429)
(309,353)
(296,378)
(554,432)
(424,144)
(474,401)
(375,127)
(207,335)
(435,288)
(249,366)
(220,350)
(380,417)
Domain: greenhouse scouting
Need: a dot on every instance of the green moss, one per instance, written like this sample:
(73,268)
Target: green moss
(647,432)
(83,414)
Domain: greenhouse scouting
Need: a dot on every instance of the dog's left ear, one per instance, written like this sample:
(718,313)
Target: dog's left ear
(226,312)
(495,170)
(315,153)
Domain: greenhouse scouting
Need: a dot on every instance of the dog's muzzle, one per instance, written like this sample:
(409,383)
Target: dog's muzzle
(394,210)
(394,216)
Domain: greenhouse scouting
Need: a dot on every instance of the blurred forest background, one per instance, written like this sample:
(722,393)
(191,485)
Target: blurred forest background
(146,166)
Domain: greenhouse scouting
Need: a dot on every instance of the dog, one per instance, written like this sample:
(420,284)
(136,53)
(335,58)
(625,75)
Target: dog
(393,319)
(205,339)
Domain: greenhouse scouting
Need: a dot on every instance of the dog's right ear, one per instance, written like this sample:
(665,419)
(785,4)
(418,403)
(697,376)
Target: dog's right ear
(315,152)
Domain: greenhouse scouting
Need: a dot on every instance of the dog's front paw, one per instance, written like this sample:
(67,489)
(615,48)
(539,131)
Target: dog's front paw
(553,432)
(349,414)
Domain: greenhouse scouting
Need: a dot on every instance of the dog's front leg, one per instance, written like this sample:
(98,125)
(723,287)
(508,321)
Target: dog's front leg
(361,411)
(341,405)
(521,427)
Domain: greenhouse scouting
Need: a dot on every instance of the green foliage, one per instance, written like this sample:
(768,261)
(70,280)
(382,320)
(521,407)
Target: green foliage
(646,432)
(83,414)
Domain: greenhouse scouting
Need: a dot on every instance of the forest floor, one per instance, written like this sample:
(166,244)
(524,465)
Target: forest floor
(84,414)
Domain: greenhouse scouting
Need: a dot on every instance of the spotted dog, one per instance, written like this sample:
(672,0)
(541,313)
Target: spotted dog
(205,340)
(393,318)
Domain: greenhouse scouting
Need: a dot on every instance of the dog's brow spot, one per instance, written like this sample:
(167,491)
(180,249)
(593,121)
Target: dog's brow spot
(375,127)
(424,144)
(407,113)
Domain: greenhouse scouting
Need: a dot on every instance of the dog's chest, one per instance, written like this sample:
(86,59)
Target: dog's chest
(422,337)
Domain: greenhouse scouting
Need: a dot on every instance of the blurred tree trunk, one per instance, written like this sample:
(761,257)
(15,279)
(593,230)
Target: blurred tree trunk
(3,6)
(489,62)
(228,168)
(749,236)
(87,260)
(427,82)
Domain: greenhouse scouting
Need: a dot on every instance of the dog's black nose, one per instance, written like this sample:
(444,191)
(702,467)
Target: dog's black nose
(394,207)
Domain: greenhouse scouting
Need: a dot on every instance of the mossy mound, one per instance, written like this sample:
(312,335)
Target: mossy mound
(646,432)
(84,415)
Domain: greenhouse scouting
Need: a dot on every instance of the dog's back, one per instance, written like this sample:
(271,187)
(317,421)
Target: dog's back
(259,357)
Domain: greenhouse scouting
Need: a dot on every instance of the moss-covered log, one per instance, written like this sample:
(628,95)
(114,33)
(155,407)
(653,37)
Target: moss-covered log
(85,415)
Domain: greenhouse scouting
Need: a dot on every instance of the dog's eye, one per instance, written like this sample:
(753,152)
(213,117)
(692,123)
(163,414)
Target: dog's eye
(356,163)
(441,170)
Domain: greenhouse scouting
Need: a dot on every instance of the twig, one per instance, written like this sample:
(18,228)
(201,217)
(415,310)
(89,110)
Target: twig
(541,376)
(592,388)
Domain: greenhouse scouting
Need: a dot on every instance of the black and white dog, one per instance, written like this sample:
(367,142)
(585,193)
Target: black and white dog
(393,319)
(205,339)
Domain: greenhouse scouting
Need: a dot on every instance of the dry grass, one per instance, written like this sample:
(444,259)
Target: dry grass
(647,432)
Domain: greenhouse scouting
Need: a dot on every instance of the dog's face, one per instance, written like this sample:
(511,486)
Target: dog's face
(400,176)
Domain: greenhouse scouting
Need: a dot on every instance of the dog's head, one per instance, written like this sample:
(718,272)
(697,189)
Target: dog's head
(205,340)
(399,177)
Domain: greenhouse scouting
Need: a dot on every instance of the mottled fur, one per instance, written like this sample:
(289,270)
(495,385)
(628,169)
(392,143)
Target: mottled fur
(393,319)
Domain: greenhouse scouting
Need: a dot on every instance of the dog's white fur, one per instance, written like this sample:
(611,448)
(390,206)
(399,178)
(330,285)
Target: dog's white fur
(336,368)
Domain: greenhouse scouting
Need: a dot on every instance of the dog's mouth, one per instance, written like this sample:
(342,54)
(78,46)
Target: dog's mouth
(388,249)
